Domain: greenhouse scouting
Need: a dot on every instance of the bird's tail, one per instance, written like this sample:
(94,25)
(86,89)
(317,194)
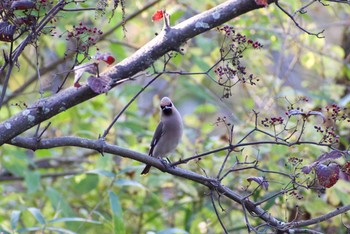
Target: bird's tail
(146,170)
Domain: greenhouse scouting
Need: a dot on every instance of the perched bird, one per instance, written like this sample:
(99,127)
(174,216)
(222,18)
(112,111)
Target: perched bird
(168,132)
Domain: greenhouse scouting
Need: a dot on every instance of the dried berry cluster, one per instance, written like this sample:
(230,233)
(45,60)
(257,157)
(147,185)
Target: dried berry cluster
(337,113)
(84,36)
(329,135)
(273,121)
(334,114)
(16,18)
(230,70)
(295,160)
(331,116)
(296,195)
(22,16)
(223,120)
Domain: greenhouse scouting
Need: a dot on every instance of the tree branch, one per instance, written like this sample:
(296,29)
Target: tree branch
(166,41)
(98,145)
(321,218)
(69,55)
(48,175)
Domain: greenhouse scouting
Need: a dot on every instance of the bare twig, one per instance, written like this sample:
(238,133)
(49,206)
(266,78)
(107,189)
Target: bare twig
(83,9)
(302,10)
(296,23)
(115,119)
(216,211)
(5,84)
(321,218)
(48,175)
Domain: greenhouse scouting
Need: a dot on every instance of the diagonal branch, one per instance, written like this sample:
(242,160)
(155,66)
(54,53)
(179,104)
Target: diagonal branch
(172,39)
(55,64)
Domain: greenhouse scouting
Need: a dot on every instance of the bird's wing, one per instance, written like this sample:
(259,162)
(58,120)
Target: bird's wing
(157,134)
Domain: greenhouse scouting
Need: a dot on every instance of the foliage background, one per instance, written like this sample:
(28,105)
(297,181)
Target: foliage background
(107,193)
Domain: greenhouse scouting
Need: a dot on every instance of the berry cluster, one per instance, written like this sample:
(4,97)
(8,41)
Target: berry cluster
(334,114)
(17,17)
(337,113)
(329,135)
(230,70)
(331,116)
(227,29)
(85,36)
(239,38)
(295,160)
(273,121)
(255,44)
(291,108)
(296,195)
(223,120)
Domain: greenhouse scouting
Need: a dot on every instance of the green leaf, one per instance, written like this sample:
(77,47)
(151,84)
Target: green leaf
(15,215)
(58,202)
(37,214)
(118,51)
(101,172)
(342,195)
(88,183)
(32,179)
(53,229)
(124,182)
(16,163)
(73,219)
(29,229)
(173,231)
(117,212)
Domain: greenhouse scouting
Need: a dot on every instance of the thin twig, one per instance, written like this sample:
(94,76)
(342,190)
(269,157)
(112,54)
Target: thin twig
(6,81)
(48,175)
(44,130)
(302,9)
(126,107)
(83,9)
(297,24)
(216,211)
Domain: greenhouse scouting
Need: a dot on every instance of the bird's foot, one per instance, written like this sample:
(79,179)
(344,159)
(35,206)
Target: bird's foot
(168,163)
(165,163)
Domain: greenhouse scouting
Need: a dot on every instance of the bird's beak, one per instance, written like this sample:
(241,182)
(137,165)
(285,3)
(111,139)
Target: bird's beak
(166,107)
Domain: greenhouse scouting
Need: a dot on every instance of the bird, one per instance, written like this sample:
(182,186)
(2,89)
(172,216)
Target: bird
(168,132)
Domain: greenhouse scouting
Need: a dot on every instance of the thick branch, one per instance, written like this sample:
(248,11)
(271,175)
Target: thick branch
(211,183)
(142,59)
(69,55)
(102,146)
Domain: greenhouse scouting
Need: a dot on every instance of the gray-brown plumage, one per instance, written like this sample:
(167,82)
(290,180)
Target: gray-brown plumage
(168,133)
